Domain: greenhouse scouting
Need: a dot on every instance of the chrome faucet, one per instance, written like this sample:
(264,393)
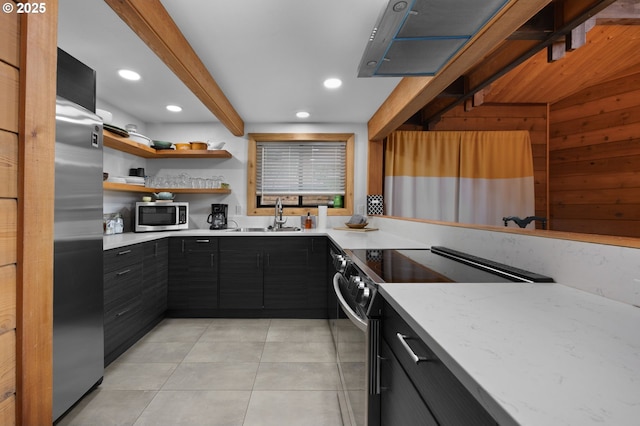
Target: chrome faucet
(277,218)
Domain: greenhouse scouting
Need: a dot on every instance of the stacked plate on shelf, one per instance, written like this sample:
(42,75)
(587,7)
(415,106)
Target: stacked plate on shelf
(135,180)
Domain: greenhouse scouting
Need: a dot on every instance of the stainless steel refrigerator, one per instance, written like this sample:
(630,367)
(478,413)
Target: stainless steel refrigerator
(78,337)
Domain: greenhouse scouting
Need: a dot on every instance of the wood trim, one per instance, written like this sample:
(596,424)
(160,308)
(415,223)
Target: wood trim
(9,93)
(560,235)
(412,93)
(375,167)
(153,24)
(8,234)
(547,180)
(9,39)
(7,364)
(124,187)
(253,210)
(7,301)
(8,164)
(34,338)
(8,411)
(111,140)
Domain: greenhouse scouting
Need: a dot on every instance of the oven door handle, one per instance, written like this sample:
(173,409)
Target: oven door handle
(355,319)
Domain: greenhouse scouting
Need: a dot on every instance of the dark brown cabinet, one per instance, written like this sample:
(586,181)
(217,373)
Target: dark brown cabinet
(155,281)
(422,386)
(193,276)
(241,273)
(123,271)
(273,276)
(400,403)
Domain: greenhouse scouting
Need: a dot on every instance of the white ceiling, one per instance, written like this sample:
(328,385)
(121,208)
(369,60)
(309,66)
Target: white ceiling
(269,57)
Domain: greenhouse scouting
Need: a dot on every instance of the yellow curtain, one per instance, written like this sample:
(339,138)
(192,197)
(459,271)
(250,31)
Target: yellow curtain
(472,177)
(421,174)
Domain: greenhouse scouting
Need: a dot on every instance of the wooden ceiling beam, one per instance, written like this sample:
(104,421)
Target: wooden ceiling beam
(622,12)
(153,24)
(413,93)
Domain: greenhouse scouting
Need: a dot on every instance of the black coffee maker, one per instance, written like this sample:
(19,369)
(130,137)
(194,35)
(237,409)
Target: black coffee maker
(218,216)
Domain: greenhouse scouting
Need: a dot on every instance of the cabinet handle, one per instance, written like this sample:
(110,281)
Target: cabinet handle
(123,272)
(120,253)
(212,255)
(403,340)
(202,241)
(119,314)
(183,246)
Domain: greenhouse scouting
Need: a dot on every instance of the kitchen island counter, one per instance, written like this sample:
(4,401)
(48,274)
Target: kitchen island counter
(532,354)
(345,239)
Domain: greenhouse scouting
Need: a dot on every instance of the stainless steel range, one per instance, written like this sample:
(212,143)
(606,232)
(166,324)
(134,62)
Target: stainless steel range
(356,320)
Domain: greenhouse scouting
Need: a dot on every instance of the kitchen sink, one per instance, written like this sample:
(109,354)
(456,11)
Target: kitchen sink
(283,229)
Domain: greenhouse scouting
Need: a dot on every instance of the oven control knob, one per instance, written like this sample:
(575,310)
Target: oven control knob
(354,282)
(358,291)
(340,263)
(364,296)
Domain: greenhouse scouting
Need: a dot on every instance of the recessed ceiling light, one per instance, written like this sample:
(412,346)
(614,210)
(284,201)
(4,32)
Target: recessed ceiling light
(332,83)
(302,114)
(174,108)
(129,75)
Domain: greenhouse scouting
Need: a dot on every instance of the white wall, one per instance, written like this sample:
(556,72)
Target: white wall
(609,271)
(233,169)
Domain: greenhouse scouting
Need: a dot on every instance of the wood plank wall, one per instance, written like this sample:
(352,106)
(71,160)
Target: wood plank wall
(531,117)
(594,159)
(9,111)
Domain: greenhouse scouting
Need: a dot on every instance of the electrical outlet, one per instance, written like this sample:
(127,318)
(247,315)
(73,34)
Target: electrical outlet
(238,210)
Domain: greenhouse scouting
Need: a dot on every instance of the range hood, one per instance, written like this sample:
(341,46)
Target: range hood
(418,37)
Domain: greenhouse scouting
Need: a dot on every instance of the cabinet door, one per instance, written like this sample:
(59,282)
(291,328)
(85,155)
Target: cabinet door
(449,401)
(193,274)
(287,272)
(317,274)
(400,402)
(241,266)
(122,306)
(155,280)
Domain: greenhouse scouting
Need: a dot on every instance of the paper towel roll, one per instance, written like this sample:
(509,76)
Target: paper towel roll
(322,217)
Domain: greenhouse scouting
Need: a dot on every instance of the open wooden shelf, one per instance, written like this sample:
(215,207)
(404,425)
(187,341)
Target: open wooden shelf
(125,187)
(111,140)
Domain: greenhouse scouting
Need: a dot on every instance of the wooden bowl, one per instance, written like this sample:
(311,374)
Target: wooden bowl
(357,225)
(198,145)
(182,145)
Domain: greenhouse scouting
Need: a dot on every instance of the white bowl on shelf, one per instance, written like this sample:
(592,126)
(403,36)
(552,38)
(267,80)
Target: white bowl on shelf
(141,139)
(212,146)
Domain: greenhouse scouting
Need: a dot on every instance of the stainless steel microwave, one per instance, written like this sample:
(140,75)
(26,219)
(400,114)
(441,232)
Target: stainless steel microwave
(161,216)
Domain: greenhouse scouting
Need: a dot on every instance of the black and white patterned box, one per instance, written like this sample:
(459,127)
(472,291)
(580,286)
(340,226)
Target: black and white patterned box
(375,204)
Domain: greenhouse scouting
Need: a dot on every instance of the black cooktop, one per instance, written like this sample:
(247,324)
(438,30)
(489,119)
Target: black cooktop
(434,265)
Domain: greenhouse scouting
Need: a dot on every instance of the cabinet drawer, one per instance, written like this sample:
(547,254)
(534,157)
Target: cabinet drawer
(449,401)
(400,402)
(197,244)
(121,287)
(121,257)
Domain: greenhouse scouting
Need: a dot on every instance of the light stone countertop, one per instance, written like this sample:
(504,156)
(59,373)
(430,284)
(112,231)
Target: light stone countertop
(345,239)
(532,354)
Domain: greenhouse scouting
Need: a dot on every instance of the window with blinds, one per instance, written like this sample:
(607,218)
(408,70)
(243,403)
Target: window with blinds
(301,168)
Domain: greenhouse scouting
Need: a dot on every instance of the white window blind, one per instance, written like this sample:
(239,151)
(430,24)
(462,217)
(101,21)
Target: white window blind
(301,168)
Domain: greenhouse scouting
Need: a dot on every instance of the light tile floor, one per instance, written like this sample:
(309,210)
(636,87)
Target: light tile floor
(244,372)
